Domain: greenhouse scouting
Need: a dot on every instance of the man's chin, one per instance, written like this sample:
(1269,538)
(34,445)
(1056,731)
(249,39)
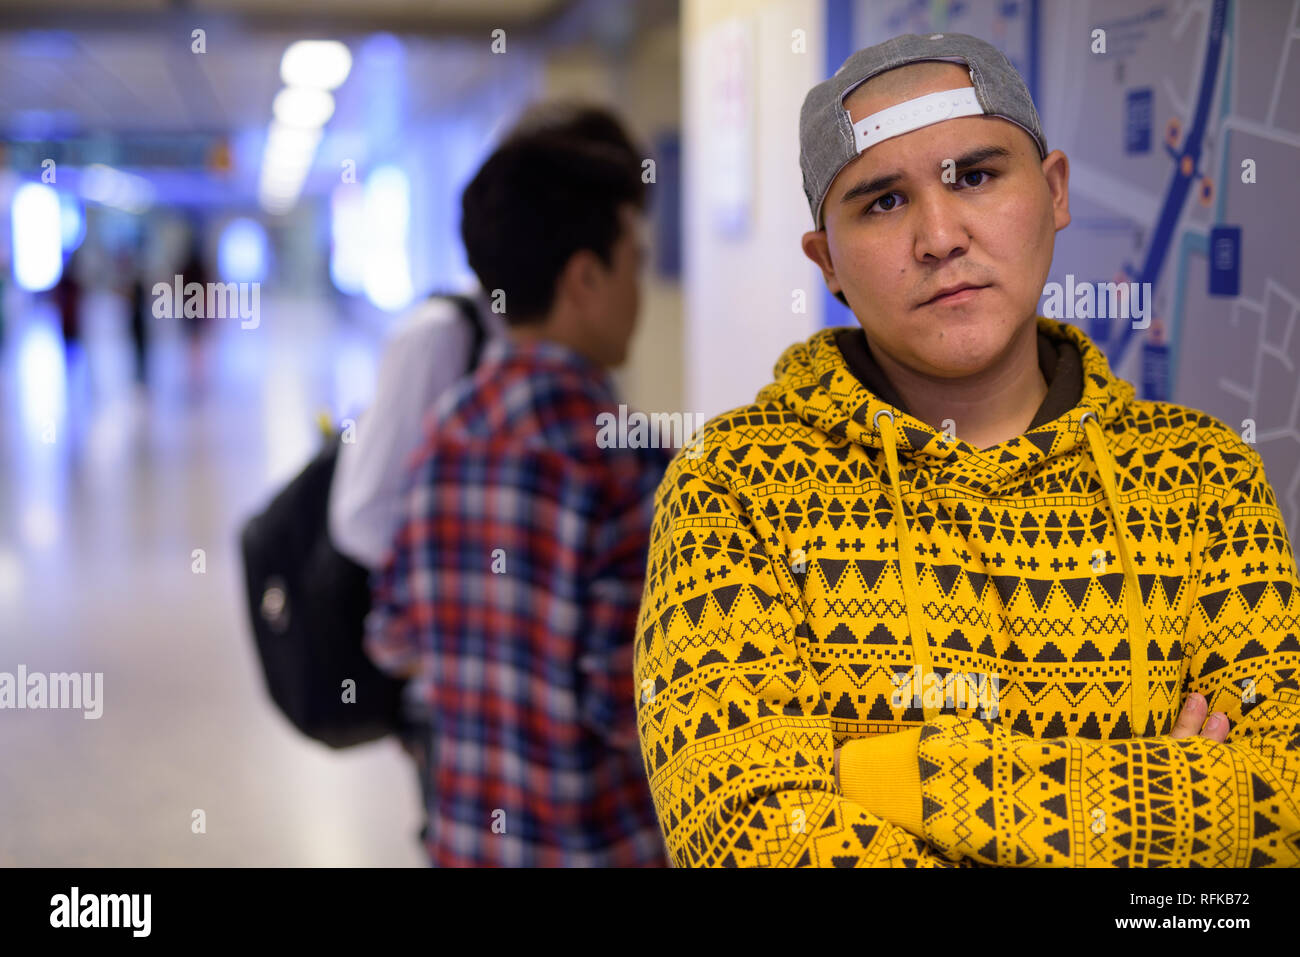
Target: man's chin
(962,352)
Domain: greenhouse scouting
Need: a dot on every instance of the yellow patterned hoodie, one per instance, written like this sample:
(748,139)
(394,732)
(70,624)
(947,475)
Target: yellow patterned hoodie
(999,639)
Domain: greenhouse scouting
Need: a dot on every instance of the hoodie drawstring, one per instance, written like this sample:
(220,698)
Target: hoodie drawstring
(911,590)
(1140,693)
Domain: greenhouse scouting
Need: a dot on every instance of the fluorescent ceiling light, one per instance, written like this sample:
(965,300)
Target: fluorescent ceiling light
(291,140)
(37,240)
(303,106)
(323,64)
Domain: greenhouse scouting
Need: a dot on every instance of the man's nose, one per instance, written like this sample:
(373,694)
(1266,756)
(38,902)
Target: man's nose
(940,224)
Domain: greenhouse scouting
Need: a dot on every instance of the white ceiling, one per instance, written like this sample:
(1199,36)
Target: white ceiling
(126,65)
(428,14)
(56,84)
(116,81)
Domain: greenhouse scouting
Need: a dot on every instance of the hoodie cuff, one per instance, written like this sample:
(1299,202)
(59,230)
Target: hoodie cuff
(883,775)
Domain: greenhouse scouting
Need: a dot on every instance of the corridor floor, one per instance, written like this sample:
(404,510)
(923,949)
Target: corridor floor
(107,495)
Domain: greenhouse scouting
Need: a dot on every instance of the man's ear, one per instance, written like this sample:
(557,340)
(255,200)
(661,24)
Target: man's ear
(1056,168)
(579,279)
(816,248)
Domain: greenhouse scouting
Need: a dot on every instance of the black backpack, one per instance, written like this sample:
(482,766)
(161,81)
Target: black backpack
(308,605)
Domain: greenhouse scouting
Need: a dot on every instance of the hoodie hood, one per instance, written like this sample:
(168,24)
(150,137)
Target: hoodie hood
(1058,360)
(814,381)
(1068,454)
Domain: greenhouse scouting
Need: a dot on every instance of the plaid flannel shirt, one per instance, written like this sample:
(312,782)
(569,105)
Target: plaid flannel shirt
(511,594)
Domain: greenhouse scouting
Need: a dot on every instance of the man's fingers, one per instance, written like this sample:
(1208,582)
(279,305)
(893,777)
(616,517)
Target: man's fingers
(1193,720)
(1190,718)
(1216,727)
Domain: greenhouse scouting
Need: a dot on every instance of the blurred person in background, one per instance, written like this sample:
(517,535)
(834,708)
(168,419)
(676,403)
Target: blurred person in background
(429,350)
(131,267)
(68,297)
(510,590)
(138,303)
(194,270)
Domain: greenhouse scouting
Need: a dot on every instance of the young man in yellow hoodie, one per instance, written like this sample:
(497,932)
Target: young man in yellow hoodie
(946,593)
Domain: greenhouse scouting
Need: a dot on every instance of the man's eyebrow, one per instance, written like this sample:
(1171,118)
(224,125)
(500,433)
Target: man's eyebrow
(966,160)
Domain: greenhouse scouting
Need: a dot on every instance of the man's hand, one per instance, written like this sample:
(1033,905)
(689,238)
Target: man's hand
(1191,717)
(1190,721)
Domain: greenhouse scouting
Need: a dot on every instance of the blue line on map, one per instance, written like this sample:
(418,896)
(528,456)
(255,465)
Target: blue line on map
(1192,244)
(1186,164)
(1200,243)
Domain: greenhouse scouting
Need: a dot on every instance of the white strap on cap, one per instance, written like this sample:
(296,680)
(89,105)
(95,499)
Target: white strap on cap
(913,114)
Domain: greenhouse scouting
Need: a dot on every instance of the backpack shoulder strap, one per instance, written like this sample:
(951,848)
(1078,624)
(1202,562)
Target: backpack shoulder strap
(478,331)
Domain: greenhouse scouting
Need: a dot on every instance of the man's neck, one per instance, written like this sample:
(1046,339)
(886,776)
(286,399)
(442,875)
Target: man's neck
(549,331)
(987,408)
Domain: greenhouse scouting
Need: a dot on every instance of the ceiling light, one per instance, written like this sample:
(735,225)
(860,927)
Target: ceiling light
(322,64)
(303,107)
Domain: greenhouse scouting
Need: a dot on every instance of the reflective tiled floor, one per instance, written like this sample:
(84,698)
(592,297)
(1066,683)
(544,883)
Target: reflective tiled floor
(106,493)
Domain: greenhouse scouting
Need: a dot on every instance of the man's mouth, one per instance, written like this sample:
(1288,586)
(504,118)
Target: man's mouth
(955,294)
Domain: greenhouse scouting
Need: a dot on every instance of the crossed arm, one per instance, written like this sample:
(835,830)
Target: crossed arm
(1191,721)
(742,762)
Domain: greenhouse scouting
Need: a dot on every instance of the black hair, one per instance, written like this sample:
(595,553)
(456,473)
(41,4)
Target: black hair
(576,120)
(540,198)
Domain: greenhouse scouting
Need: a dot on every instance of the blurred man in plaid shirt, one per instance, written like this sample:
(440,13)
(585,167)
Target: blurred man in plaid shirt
(512,590)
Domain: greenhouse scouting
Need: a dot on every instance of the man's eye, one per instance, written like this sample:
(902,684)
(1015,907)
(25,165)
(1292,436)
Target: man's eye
(888,203)
(893,203)
(974,172)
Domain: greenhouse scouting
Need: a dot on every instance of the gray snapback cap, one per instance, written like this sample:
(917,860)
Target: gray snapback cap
(828,140)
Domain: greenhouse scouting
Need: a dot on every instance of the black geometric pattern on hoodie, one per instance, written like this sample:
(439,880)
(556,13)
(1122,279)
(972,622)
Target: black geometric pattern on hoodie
(773,622)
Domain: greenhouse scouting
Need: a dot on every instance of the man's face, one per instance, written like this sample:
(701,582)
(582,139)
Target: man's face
(892,246)
(617,298)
